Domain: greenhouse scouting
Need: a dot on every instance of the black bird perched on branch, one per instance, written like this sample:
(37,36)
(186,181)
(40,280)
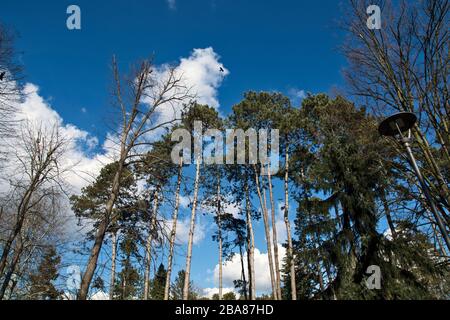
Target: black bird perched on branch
(2,75)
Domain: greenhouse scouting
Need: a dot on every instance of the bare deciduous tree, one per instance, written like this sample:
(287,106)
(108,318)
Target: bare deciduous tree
(35,176)
(36,168)
(10,86)
(44,226)
(140,101)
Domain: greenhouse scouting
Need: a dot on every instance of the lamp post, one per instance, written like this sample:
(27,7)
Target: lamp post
(395,126)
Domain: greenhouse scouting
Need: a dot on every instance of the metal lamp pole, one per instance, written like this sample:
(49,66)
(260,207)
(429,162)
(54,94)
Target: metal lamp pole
(396,125)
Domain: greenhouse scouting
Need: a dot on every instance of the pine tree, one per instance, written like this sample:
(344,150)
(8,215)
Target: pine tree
(158,283)
(251,113)
(42,285)
(91,204)
(209,119)
(342,157)
(238,228)
(128,281)
(238,178)
(177,290)
(156,169)
(173,232)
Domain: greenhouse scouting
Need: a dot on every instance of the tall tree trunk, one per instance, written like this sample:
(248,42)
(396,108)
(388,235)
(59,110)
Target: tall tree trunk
(7,248)
(148,247)
(21,215)
(100,236)
(262,200)
(250,244)
(220,267)
(290,258)
(219,226)
(243,278)
(112,280)
(191,233)
(174,231)
(274,232)
(12,268)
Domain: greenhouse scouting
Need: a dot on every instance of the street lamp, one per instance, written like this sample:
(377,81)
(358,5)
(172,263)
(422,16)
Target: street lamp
(395,126)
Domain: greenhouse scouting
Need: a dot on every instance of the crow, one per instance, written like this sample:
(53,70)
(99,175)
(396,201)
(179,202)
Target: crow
(2,75)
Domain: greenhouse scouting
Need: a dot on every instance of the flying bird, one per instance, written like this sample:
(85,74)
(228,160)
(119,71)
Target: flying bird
(2,75)
(221,69)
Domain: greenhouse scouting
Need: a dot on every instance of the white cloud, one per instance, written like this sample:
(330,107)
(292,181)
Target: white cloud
(38,111)
(232,270)
(76,166)
(200,73)
(234,209)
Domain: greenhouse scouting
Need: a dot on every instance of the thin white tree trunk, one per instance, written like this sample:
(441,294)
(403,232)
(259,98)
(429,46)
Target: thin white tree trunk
(262,200)
(113,266)
(174,231)
(191,233)
(291,262)
(274,232)
(219,225)
(250,246)
(148,250)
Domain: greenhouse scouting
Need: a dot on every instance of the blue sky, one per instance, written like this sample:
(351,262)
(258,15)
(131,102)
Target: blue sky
(285,46)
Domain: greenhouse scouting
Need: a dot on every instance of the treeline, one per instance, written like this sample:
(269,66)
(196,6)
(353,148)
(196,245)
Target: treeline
(357,202)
